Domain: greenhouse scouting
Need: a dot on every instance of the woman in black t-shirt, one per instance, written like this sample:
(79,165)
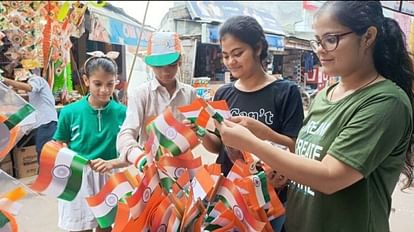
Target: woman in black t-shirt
(275,103)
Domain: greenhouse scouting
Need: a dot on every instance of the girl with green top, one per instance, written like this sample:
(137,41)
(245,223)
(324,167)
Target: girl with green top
(356,138)
(89,127)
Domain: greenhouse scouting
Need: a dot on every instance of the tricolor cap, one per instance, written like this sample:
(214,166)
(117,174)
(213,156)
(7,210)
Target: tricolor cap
(163,49)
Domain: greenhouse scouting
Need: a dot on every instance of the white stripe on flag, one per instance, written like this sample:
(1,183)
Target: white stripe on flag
(10,206)
(103,209)
(178,138)
(258,190)
(225,113)
(198,190)
(6,228)
(58,185)
(191,114)
(139,207)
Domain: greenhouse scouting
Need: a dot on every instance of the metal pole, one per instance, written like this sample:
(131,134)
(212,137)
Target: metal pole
(136,52)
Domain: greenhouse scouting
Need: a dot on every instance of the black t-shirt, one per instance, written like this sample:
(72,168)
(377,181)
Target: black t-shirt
(278,105)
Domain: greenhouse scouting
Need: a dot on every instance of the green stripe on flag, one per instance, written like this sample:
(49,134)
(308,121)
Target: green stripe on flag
(166,184)
(3,220)
(212,227)
(225,201)
(165,142)
(262,177)
(17,117)
(75,180)
(107,220)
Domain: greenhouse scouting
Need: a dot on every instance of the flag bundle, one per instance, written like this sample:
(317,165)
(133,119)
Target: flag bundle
(175,192)
(199,113)
(16,119)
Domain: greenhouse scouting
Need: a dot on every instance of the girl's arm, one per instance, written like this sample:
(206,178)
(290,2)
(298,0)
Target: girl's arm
(327,176)
(104,166)
(264,132)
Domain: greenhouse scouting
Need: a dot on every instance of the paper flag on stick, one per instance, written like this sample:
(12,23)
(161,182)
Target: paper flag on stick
(7,222)
(104,204)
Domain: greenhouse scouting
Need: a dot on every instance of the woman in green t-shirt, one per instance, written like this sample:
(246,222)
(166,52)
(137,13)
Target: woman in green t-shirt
(353,145)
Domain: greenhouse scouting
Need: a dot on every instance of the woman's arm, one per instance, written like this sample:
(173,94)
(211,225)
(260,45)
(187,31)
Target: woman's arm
(327,176)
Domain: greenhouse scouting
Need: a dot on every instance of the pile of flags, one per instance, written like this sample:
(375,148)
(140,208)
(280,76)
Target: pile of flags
(16,119)
(176,191)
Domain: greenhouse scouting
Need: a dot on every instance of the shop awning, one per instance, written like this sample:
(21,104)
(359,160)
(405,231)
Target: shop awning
(114,28)
(219,11)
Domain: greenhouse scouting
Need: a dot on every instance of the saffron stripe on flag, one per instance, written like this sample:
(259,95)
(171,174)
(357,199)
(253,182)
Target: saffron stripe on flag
(171,134)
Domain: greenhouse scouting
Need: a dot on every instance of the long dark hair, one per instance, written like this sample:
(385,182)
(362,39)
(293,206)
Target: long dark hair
(247,30)
(391,58)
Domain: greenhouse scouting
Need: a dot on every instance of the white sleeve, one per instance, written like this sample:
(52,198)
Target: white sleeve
(126,142)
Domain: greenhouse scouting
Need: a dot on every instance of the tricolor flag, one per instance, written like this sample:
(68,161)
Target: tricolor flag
(172,134)
(225,221)
(192,113)
(174,222)
(15,119)
(256,187)
(104,204)
(139,199)
(171,168)
(7,222)
(202,184)
(122,218)
(231,197)
(61,171)
(239,170)
(8,202)
(161,215)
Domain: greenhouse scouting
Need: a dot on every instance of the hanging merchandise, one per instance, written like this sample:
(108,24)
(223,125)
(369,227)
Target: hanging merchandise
(62,77)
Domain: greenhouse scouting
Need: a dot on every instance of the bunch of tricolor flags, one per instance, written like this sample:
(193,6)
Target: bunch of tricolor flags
(174,191)
(16,119)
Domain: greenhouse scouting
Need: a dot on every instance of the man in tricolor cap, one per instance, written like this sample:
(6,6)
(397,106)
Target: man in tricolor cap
(152,98)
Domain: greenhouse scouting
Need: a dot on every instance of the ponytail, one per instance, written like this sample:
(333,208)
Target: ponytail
(393,61)
(391,58)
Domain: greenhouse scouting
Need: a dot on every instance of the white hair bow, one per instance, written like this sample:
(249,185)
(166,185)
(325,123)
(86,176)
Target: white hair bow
(111,54)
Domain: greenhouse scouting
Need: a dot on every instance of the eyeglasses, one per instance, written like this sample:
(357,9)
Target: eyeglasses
(329,42)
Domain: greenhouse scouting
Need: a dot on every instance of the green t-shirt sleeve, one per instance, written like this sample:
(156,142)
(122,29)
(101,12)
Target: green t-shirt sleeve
(372,134)
(62,132)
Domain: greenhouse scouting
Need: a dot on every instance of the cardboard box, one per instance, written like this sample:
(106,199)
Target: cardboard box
(7,167)
(25,161)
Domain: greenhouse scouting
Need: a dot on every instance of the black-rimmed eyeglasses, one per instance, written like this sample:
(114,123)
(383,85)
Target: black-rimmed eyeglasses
(328,42)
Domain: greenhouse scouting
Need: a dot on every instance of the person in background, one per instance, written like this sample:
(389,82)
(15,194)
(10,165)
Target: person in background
(275,103)
(357,136)
(89,127)
(152,98)
(42,99)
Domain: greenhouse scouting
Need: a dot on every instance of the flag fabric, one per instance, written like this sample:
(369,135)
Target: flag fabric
(16,119)
(161,214)
(171,168)
(139,199)
(61,171)
(174,222)
(8,202)
(104,204)
(122,218)
(7,222)
(231,197)
(202,184)
(172,134)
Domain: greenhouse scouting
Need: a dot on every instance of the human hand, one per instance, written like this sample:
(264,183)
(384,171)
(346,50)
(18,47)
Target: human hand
(255,126)
(100,165)
(235,135)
